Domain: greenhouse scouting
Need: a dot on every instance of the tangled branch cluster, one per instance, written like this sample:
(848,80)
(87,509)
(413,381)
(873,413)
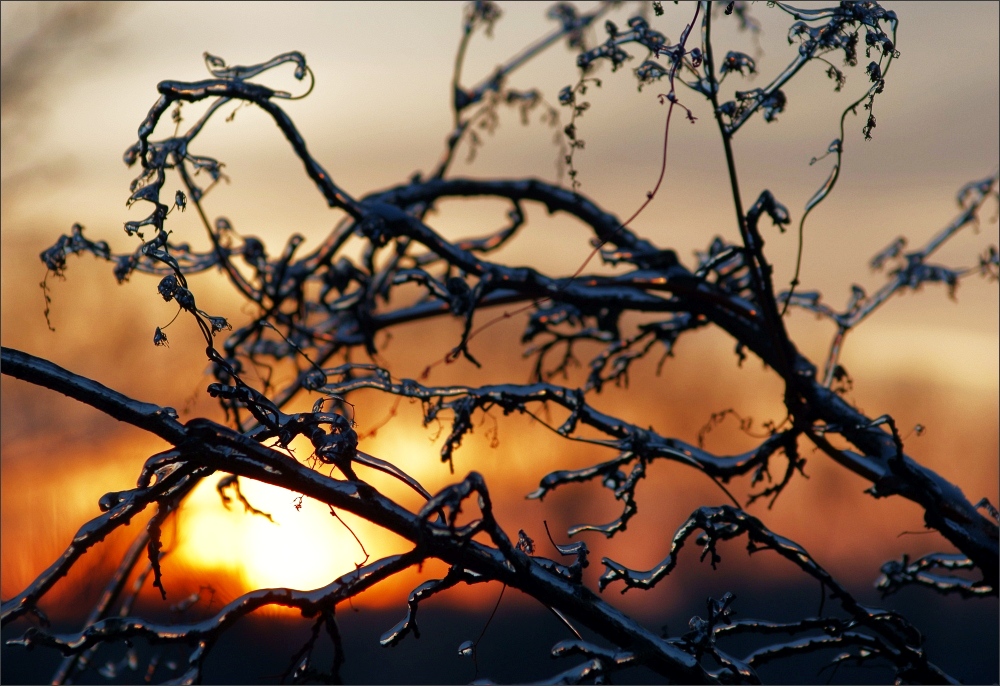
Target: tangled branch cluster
(313,310)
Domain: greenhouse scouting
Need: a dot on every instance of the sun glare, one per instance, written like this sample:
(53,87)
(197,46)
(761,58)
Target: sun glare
(303,548)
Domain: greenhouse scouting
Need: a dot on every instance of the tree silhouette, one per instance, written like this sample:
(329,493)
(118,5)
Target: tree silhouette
(315,314)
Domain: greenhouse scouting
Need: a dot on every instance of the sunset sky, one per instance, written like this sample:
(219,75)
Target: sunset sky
(78,79)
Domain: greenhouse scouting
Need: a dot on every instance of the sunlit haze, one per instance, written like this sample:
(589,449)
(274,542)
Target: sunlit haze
(75,91)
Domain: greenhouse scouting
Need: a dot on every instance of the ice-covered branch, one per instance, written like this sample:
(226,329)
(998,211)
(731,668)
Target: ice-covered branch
(387,264)
(889,634)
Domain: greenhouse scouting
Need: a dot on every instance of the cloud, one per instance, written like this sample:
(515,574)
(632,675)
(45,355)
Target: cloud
(43,45)
(40,40)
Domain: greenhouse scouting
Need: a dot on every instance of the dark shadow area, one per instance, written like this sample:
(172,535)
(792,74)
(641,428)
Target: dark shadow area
(961,638)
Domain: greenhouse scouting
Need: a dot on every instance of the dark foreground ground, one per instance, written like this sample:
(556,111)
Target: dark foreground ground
(961,637)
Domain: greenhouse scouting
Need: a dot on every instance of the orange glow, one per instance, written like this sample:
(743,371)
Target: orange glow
(305,547)
(47,496)
(302,549)
(236,552)
(923,359)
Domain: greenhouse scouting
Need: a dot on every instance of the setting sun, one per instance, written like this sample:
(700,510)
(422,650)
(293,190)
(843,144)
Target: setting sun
(304,548)
(610,332)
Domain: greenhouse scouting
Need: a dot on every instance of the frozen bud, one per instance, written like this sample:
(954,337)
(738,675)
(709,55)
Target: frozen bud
(168,287)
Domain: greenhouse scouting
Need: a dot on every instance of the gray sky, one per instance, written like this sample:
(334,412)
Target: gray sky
(77,79)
